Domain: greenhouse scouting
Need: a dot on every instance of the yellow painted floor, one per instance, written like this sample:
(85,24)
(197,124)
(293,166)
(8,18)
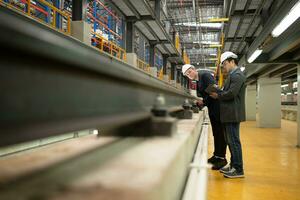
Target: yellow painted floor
(271,164)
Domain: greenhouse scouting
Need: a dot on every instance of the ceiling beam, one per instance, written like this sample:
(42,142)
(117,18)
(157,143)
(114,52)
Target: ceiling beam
(248,2)
(283,70)
(289,74)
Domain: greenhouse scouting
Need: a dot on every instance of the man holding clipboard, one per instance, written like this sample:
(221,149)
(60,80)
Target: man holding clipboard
(232,112)
(204,80)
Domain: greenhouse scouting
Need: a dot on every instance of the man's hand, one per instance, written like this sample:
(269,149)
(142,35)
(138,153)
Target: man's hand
(199,103)
(214,95)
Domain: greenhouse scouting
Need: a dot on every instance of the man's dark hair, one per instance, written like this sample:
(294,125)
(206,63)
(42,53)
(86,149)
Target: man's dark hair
(234,59)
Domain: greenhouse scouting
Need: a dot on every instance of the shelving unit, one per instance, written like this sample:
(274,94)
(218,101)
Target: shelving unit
(50,12)
(107,28)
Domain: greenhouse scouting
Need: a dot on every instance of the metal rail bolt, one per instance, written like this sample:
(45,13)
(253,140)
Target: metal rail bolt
(161,122)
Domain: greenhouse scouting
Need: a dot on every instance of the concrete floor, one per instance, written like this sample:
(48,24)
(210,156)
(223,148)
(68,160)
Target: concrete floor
(271,162)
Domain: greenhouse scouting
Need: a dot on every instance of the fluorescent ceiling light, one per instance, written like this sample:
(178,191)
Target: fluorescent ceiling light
(256,53)
(295,85)
(289,93)
(204,25)
(213,54)
(211,25)
(215,45)
(288,20)
(282,94)
(242,69)
(209,42)
(284,85)
(295,92)
(95,132)
(206,42)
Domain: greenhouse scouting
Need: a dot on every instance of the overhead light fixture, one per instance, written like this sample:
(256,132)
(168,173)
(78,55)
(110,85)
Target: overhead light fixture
(215,45)
(256,53)
(242,69)
(209,42)
(289,93)
(213,54)
(204,25)
(211,25)
(284,85)
(288,20)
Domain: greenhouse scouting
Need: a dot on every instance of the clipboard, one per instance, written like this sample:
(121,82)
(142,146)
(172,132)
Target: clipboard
(212,88)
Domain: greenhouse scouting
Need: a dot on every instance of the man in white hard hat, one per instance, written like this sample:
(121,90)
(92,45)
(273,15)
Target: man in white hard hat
(232,112)
(205,78)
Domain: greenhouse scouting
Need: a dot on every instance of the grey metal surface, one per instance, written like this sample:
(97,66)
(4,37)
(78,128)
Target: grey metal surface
(52,84)
(105,168)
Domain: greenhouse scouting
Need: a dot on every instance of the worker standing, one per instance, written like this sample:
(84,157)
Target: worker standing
(203,79)
(232,112)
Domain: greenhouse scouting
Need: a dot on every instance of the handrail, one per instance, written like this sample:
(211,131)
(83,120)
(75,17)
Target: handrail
(32,6)
(196,186)
(143,65)
(112,47)
(105,26)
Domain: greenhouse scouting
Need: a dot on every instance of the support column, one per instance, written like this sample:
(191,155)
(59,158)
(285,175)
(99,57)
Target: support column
(165,62)
(298,107)
(153,69)
(130,54)
(173,74)
(269,103)
(80,29)
(250,101)
(178,79)
(157,9)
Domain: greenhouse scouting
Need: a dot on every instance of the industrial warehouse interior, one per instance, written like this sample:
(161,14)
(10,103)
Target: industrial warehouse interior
(116,99)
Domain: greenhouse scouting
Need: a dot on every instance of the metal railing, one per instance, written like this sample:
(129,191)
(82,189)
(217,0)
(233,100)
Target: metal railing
(107,46)
(52,16)
(143,65)
(196,187)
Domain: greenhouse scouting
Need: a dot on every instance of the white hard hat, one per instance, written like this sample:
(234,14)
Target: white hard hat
(186,67)
(226,55)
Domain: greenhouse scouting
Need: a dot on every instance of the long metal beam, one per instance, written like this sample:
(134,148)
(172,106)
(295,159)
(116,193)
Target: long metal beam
(283,70)
(289,74)
(248,2)
(52,84)
(257,11)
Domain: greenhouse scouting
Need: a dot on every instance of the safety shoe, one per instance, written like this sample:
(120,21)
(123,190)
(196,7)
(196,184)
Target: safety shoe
(212,159)
(225,169)
(233,173)
(219,164)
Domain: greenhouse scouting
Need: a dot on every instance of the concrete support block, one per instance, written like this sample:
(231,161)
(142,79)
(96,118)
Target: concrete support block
(269,103)
(153,71)
(81,31)
(163,126)
(173,83)
(250,101)
(166,78)
(132,59)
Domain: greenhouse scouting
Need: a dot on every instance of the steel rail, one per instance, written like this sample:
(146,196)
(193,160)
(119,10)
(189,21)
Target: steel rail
(51,84)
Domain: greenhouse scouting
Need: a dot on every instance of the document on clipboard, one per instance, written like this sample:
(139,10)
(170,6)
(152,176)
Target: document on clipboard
(212,88)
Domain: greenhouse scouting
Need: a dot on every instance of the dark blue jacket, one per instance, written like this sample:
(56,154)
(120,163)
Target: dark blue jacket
(213,105)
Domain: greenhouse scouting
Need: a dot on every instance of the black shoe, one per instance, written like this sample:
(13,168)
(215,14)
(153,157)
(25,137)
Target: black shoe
(225,169)
(219,164)
(212,159)
(234,174)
